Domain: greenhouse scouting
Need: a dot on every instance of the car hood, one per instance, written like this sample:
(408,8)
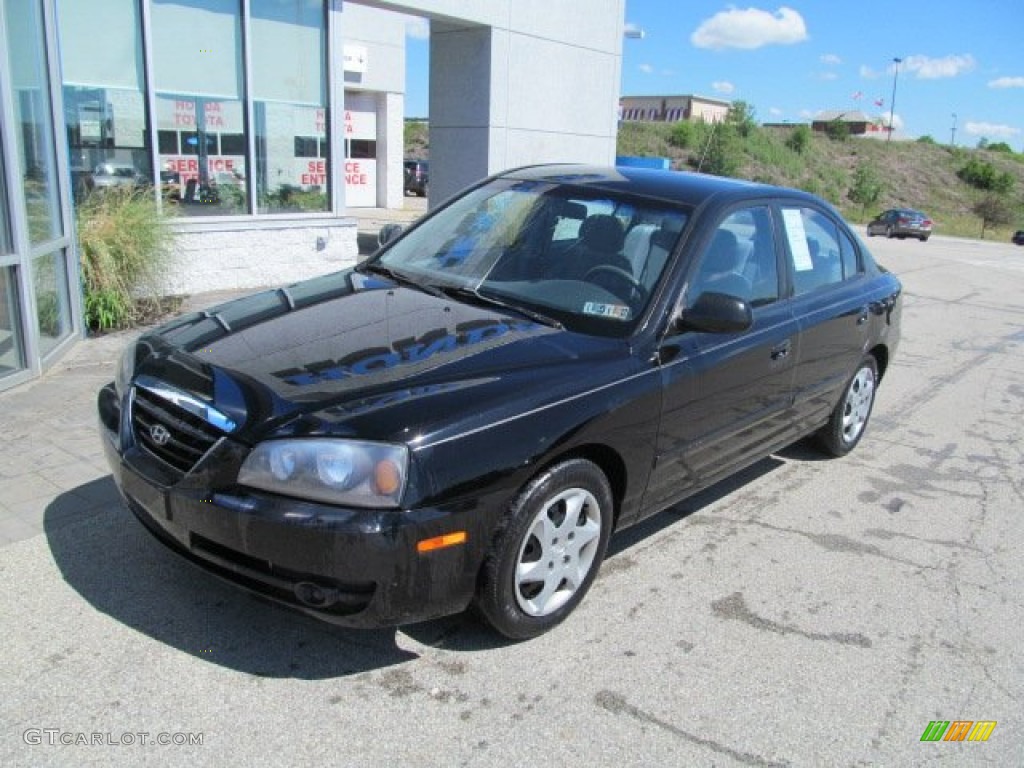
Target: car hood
(352,354)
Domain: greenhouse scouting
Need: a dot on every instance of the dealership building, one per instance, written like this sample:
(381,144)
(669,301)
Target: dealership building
(258,124)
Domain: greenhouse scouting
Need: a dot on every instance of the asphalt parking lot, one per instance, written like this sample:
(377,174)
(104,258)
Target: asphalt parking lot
(808,612)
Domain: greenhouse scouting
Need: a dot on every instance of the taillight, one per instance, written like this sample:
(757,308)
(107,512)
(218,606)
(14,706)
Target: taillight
(926,223)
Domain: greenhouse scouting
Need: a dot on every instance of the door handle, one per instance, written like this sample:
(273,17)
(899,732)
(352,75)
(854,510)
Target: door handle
(863,316)
(780,351)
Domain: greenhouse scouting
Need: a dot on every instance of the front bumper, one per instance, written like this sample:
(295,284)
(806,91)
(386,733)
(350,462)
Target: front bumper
(353,567)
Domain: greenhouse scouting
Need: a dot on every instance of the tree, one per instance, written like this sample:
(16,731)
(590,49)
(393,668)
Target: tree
(741,115)
(1000,146)
(867,186)
(721,155)
(682,134)
(993,209)
(799,139)
(926,139)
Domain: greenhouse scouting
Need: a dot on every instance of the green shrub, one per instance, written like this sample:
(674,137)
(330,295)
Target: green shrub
(837,130)
(682,134)
(867,187)
(799,139)
(124,242)
(983,175)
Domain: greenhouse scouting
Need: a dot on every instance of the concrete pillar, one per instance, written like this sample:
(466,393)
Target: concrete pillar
(466,120)
(390,150)
(528,82)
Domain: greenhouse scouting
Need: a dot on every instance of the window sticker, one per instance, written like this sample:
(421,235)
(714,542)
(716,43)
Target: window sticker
(797,236)
(613,311)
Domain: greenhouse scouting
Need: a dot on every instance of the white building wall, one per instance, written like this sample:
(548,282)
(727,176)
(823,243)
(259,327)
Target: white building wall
(519,81)
(226,257)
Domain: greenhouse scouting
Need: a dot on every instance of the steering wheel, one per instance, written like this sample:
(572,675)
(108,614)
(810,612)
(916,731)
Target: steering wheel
(635,289)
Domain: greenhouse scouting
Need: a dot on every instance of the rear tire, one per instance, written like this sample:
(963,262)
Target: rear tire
(849,419)
(547,550)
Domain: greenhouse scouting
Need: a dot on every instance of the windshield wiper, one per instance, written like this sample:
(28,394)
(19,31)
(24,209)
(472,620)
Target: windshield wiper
(473,295)
(401,278)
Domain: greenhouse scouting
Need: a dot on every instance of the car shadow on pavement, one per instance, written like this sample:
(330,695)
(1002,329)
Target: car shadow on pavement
(123,572)
(633,535)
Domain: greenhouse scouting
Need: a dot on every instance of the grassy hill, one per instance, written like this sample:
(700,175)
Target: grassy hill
(916,174)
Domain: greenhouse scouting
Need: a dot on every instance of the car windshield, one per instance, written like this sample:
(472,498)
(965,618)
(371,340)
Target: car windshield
(586,259)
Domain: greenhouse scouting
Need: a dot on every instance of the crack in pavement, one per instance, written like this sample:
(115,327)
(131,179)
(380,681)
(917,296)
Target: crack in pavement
(735,607)
(617,705)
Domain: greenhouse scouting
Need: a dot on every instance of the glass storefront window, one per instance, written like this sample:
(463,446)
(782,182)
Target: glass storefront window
(53,302)
(12,354)
(200,115)
(36,161)
(202,154)
(289,95)
(104,102)
(6,246)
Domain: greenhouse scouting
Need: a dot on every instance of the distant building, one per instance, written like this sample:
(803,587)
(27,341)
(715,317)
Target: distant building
(856,122)
(672,109)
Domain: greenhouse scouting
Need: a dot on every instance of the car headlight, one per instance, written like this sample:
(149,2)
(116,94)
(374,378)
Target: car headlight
(336,471)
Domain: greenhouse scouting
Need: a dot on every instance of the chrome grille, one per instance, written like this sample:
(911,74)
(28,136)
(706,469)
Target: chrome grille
(170,433)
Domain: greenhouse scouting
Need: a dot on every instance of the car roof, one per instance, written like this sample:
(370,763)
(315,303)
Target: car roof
(684,187)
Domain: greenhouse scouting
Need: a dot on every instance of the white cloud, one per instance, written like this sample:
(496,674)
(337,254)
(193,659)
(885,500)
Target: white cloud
(827,76)
(806,114)
(646,68)
(926,68)
(750,28)
(723,86)
(1007,82)
(417,28)
(830,59)
(775,112)
(991,130)
(868,73)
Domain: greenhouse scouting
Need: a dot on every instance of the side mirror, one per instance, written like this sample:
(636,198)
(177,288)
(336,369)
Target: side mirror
(388,233)
(716,313)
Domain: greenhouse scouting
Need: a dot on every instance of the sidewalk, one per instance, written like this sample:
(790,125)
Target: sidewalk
(51,462)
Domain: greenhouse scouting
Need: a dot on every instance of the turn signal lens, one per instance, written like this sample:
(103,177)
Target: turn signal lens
(440,542)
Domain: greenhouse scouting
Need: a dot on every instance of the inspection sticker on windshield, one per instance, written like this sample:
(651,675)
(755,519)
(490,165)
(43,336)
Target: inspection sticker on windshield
(614,311)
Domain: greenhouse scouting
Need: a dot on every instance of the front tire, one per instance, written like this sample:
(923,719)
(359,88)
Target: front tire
(849,419)
(547,551)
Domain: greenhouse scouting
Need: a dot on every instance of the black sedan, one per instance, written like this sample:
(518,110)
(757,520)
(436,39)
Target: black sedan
(465,418)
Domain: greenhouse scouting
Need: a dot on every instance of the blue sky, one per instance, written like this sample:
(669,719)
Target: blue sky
(793,60)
